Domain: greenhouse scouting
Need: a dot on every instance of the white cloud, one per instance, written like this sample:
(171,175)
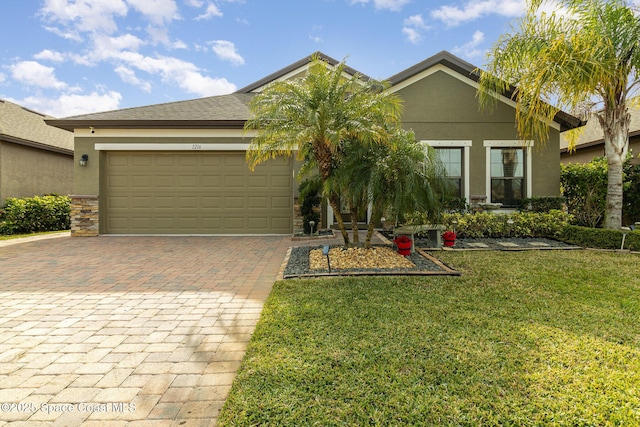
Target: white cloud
(470,50)
(2,78)
(159,12)
(71,105)
(129,76)
(211,12)
(384,4)
(83,15)
(476,9)
(413,28)
(178,72)
(196,83)
(412,35)
(226,51)
(33,73)
(49,55)
(194,3)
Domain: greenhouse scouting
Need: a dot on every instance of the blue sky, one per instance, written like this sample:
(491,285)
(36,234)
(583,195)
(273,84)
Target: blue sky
(68,57)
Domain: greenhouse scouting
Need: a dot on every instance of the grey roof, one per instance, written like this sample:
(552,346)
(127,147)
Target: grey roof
(229,111)
(592,135)
(296,65)
(26,127)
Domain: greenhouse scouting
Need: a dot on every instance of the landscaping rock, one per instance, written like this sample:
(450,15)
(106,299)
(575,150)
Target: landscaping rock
(376,257)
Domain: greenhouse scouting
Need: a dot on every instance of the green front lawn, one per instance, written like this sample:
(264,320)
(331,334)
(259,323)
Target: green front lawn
(522,338)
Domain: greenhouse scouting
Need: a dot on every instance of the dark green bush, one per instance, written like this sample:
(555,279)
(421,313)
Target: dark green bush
(585,188)
(39,213)
(524,224)
(309,199)
(542,204)
(599,238)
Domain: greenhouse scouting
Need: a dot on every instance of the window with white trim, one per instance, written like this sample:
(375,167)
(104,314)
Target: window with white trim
(454,155)
(509,171)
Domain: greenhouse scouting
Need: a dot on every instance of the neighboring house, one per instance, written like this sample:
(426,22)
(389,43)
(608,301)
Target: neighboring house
(590,142)
(35,158)
(179,168)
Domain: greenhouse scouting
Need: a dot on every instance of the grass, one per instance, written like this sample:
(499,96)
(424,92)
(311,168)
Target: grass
(521,339)
(18,236)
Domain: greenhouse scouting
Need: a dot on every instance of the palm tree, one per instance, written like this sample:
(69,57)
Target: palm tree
(590,52)
(401,177)
(313,115)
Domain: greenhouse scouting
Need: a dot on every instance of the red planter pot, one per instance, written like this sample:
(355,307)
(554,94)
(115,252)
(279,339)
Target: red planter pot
(404,245)
(449,243)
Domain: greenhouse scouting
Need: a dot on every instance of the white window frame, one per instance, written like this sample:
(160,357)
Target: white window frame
(527,147)
(466,161)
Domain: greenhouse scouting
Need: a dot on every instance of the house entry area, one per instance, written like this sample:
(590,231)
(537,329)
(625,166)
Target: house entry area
(205,192)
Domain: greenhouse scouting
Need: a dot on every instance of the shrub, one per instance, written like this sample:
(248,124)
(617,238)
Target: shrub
(585,188)
(524,224)
(39,213)
(599,238)
(309,199)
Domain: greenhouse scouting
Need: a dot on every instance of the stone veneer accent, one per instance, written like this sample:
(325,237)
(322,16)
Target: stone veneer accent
(84,216)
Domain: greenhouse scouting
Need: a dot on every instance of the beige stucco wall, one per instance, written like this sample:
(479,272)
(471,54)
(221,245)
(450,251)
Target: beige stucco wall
(442,107)
(28,172)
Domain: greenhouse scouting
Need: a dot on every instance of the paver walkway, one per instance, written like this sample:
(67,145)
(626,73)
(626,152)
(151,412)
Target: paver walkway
(114,331)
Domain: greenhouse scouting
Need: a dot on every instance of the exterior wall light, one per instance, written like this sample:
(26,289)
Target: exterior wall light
(84,159)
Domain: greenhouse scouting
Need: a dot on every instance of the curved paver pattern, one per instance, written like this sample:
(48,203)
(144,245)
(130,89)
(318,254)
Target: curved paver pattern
(131,330)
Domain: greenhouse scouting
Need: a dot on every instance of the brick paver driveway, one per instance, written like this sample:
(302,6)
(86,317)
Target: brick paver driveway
(128,330)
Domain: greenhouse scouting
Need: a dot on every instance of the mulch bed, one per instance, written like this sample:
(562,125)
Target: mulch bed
(385,263)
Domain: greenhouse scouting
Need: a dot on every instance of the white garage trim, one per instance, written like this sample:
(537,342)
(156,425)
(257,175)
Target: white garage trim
(172,147)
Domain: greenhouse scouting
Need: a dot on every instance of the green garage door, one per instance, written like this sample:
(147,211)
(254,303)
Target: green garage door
(195,193)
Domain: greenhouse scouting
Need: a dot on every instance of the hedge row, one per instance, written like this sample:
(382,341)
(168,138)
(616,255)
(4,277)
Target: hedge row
(600,238)
(518,224)
(39,213)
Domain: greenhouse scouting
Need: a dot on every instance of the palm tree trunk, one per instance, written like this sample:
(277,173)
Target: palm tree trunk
(375,217)
(354,223)
(615,126)
(334,202)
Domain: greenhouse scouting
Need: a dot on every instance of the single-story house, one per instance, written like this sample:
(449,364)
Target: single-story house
(35,158)
(590,142)
(179,168)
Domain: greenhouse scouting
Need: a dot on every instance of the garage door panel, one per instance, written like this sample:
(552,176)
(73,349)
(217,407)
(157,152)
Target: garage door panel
(211,202)
(233,224)
(195,193)
(234,181)
(280,202)
(211,181)
(234,202)
(280,181)
(257,223)
(258,202)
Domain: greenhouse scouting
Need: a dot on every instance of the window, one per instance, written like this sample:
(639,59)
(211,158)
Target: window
(508,171)
(507,176)
(454,154)
(451,158)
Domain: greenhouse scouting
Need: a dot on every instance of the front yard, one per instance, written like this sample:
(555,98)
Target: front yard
(521,338)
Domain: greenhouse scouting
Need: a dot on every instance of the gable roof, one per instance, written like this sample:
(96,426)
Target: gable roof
(22,126)
(296,68)
(231,111)
(471,72)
